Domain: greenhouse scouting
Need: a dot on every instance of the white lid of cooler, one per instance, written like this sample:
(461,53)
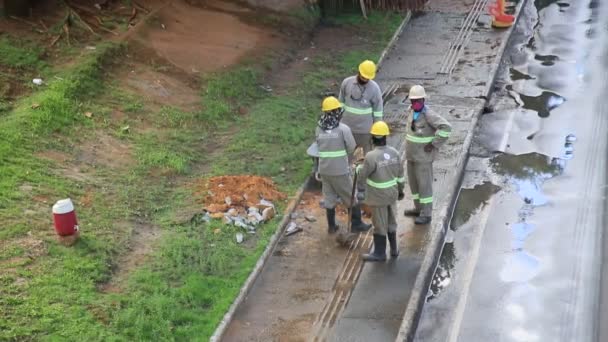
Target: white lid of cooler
(63,206)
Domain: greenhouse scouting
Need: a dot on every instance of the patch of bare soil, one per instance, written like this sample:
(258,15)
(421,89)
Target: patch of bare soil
(197,40)
(105,150)
(32,248)
(325,40)
(155,81)
(100,150)
(279,5)
(139,247)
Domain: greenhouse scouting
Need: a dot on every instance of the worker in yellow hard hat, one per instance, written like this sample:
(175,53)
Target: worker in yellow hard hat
(335,144)
(426,131)
(362,100)
(383,176)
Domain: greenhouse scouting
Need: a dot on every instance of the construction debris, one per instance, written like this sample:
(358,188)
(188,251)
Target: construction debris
(242,201)
(310,218)
(292,228)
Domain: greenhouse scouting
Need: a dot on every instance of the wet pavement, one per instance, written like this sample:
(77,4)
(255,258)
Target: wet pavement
(523,260)
(455,59)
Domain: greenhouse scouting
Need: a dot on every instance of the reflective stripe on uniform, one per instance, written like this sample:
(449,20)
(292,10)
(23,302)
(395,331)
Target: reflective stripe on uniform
(378,114)
(332,154)
(358,111)
(419,140)
(415,197)
(443,134)
(426,200)
(383,185)
(401,180)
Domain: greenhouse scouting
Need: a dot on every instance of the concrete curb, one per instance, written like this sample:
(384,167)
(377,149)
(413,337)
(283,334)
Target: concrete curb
(259,266)
(396,36)
(413,311)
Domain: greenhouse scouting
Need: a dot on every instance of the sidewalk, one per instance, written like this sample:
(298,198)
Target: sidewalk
(456,60)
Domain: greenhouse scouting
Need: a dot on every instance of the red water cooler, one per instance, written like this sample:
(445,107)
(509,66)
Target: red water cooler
(64,217)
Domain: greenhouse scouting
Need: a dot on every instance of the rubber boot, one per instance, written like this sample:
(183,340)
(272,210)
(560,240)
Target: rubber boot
(392,240)
(357,223)
(331,221)
(422,220)
(411,212)
(379,253)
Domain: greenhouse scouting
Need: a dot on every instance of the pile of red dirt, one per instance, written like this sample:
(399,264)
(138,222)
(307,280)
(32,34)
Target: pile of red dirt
(224,192)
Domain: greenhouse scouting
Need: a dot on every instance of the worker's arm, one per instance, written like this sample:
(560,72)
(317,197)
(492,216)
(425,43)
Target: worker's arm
(349,140)
(442,127)
(342,92)
(364,170)
(315,168)
(401,178)
(377,105)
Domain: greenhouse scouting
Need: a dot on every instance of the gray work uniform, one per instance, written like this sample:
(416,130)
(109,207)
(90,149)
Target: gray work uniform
(382,175)
(428,128)
(362,107)
(335,147)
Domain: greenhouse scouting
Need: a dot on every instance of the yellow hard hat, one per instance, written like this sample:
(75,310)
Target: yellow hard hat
(417,92)
(380,128)
(367,69)
(330,103)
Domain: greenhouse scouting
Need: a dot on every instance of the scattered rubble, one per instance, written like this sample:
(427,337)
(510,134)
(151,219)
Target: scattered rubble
(310,218)
(242,201)
(292,228)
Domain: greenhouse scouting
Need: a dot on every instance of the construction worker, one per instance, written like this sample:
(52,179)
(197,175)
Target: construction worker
(382,175)
(335,144)
(426,131)
(362,100)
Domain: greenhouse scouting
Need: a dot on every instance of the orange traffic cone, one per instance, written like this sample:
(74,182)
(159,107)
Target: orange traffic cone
(501,20)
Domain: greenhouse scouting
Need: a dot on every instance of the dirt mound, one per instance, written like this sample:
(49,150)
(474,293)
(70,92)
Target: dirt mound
(221,193)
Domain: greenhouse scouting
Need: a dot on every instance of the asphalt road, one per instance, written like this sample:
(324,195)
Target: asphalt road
(524,258)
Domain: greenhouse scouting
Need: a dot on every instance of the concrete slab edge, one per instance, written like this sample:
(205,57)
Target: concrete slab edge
(396,36)
(259,266)
(413,311)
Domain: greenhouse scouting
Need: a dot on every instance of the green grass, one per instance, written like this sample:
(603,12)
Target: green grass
(196,271)
(224,93)
(20,54)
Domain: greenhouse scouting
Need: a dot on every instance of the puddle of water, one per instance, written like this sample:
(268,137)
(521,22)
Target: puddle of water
(547,60)
(542,4)
(543,104)
(443,274)
(520,232)
(524,166)
(520,266)
(470,201)
(517,75)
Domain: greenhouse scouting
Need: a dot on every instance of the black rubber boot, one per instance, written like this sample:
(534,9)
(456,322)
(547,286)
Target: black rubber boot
(392,240)
(379,253)
(422,220)
(411,213)
(358,225)
(331,221)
